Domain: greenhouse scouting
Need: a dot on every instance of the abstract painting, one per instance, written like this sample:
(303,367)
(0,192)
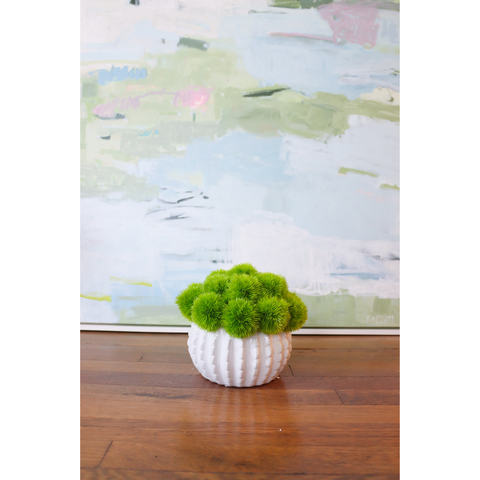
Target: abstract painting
(219,132)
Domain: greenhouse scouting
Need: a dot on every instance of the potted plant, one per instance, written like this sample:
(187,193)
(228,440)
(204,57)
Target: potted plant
(241,324)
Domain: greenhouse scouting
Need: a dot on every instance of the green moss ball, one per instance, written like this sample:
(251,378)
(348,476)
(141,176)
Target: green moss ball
(274,315)
(217,272)
(244,286)
(217,284)
(298,312)
(207,311)
(240,318)
(186,298)
(273,285)
(243,268)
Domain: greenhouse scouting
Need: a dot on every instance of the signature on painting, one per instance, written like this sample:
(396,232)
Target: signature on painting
(380,319)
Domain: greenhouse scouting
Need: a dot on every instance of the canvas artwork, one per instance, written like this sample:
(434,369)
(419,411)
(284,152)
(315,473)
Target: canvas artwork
(219,132)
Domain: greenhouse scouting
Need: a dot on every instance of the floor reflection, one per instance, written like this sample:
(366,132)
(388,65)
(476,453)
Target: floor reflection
(237,417)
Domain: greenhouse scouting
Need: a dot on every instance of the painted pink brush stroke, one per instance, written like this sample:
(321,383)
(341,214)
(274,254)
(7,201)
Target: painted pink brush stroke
(353,23)
(107,110)
(192,97)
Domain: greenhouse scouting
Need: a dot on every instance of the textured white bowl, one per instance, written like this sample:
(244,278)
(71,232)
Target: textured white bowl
(236,362)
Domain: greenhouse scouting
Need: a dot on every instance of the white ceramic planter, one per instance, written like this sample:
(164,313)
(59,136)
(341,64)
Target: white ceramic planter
(236,362)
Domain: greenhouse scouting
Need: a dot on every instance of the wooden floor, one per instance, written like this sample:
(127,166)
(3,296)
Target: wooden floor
(148,414)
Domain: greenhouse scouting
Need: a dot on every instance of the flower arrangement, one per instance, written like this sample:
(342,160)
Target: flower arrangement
(243,302)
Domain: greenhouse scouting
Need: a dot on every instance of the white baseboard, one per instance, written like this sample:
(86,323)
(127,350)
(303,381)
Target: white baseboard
(114,327)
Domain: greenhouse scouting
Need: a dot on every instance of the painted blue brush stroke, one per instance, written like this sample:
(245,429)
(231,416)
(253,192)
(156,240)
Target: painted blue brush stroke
(119,74)
(360,275)
(132,44)
(242,155)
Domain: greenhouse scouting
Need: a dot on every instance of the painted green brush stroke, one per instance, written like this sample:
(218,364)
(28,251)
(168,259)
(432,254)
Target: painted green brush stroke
(153,315)
(89,89)
(344,171)
(299,3)
(381,4)
(392,187)
(339,310)
(100,179)
(265,92)
(292,112)
(372,109)
(345,310)
(286,4)
(97,296)
(192,43)
(130,282)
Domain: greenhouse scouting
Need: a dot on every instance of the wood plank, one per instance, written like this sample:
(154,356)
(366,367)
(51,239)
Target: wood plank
(114,474)
(349,434)
(180,356)
(347,364)
(267,416)
(110,353)
(294,430)
(306,354)
(133,353)
(141,367)
(135,339)
(237,426)
(192,456)
(225,396)
(368,397)
(346,341)
(335,383)
(329,370)
(147,367)
(146,379)
(299,341)
(285,382)
(92,451)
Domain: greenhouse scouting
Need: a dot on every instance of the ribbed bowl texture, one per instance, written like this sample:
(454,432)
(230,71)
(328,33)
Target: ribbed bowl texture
(237,362)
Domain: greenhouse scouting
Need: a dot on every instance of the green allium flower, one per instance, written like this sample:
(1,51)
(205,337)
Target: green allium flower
(207,311)
(298,312)
(274,315)
(244,268)
(186,298)
(243,302)
(218,272)
(240,318)
(244,286)
(273,285)
(217,284)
